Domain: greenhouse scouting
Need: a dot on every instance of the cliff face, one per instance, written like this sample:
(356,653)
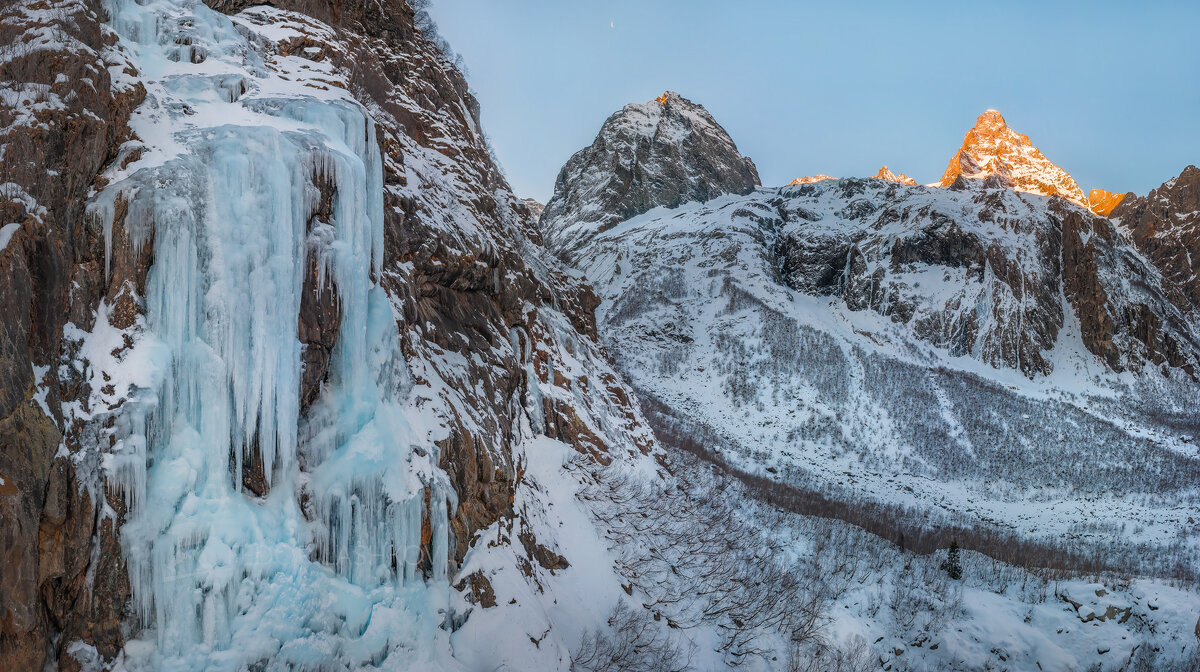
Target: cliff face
(665,152)
(982,271)
(494,343)
(68,98)
(1165,226)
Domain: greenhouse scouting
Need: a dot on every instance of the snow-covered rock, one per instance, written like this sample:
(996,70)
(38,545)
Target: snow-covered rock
(991,148)
(665,152)
(1165,226)
(960,350)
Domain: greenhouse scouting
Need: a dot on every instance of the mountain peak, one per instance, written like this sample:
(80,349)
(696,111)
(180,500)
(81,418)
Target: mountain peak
(900,178)
(991,147)
(809,179)
(661,153)
(1103,202)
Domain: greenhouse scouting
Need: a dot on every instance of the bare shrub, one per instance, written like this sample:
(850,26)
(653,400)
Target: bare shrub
(634,641)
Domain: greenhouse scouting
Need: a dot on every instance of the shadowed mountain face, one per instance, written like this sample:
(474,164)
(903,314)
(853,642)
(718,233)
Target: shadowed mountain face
(663,153)
(1165,226)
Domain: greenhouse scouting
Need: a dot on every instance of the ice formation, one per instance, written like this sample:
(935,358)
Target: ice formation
(225,192)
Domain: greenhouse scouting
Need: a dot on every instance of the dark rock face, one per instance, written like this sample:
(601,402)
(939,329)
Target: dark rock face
(666,152)
(63,579)
(451,299)
(1165,226)
(1126,314)
(949,268)
(981,271)
(320,316)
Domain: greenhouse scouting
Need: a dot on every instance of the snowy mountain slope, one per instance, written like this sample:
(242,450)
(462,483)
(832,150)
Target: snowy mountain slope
(1165,226)
(1005,259)
(957,351)
(816,386)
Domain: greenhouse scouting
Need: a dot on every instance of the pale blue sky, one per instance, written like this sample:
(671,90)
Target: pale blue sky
(1109,91)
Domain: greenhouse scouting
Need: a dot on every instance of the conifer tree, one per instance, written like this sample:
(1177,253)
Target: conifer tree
(953,564)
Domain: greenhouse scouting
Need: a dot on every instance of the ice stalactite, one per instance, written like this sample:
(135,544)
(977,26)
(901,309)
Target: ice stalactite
(230,195)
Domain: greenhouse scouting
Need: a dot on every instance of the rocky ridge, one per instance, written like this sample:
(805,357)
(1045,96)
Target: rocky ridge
(1010,242)
(810,179)
(1165,226)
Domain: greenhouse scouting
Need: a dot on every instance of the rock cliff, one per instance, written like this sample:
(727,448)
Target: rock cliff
(1165,226)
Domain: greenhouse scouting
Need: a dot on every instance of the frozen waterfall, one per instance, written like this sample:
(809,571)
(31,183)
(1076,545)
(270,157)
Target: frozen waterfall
(328,565)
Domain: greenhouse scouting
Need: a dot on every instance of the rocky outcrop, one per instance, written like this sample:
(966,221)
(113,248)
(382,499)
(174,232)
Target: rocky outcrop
(1124,323)
(980,272)
(991,148)
(65,110)
(899,178)
(984,284)
(662,153)
(535,207)
(1165,226)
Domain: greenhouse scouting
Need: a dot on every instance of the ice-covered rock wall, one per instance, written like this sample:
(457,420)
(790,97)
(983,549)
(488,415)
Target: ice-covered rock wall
(250,178)
(301,379)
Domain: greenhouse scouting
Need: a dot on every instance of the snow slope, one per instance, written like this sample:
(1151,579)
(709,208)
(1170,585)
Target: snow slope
(828,379)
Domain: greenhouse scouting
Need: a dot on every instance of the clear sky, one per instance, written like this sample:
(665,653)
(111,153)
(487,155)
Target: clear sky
(1109,91)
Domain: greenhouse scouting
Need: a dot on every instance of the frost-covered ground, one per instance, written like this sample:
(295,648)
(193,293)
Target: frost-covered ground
(682,547)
